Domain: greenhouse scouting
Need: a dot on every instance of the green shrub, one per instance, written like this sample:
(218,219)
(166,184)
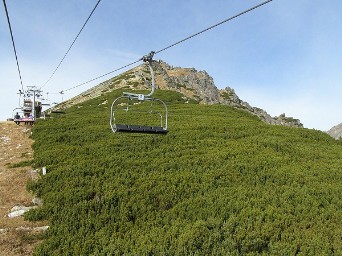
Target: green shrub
(221,182)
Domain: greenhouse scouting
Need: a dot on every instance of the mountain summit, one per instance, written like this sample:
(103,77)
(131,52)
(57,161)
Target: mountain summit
(193,84)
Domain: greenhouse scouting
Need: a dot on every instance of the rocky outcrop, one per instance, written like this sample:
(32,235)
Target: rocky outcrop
(19,210)
(229,97)
(193,84)
(336,131)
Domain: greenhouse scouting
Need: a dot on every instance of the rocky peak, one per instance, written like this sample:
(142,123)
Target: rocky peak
(193,84)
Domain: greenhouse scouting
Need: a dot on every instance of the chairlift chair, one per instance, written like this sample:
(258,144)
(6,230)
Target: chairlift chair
(140,107)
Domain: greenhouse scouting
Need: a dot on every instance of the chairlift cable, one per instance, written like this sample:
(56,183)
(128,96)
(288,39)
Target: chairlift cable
(59,64)
(181,41)
(213,26)
(14,49)
(91,80)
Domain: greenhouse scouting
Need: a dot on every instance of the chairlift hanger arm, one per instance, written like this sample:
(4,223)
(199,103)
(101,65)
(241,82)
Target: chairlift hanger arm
(147,58)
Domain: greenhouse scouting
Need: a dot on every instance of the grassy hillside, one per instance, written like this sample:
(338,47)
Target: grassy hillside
(221,182)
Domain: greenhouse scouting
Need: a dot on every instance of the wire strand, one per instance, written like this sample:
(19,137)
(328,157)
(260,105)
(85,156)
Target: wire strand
(59,64)
(187,38)
(14,49)
(213,26)
(101,76)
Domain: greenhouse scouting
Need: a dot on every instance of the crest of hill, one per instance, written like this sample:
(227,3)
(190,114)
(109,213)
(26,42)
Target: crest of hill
(193,84)
(336,131)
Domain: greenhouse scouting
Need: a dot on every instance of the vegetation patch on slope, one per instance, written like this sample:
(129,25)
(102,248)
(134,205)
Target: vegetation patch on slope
(220,182)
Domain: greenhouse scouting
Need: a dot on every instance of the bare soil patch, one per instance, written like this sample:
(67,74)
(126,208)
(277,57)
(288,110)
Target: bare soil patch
(17,236)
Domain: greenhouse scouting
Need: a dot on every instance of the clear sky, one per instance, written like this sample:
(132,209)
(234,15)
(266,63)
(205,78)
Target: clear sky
(284,57)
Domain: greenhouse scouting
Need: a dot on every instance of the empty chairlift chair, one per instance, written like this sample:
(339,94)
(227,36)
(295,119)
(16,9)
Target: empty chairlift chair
(140,113)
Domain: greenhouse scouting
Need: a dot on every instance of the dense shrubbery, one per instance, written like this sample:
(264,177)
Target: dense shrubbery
(221,182)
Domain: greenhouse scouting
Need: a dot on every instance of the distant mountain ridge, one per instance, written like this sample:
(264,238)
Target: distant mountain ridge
(193,84)
(336,131)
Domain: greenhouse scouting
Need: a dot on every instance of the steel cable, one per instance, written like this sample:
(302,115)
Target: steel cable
(14,49)
(59,64)
(185,39)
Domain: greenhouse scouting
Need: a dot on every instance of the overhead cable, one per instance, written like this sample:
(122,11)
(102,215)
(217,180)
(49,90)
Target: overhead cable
(59,64)
(14,49)
(102,75)
(181,41)
(213,26)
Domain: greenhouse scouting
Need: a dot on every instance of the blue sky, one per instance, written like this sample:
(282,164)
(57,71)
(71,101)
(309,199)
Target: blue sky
(284,57)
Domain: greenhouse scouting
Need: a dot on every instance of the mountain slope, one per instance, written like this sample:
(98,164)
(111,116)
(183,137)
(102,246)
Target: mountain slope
(193,84)
(220,182)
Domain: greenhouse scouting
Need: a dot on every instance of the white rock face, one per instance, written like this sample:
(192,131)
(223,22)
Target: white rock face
(18,210)
(336,131)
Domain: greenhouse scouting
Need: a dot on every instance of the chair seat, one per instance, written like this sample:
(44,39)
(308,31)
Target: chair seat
(139,128)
